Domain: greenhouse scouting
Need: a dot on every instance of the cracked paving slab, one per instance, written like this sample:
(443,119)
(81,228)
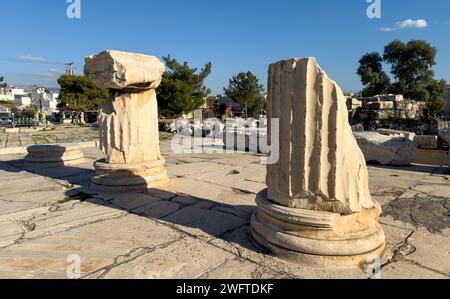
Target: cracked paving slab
(102,244)
(431,251)
(407,270)
(186,258)
(246,268)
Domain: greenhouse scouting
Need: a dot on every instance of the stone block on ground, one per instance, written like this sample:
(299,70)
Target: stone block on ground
(427,141)
(386,150)
(54,155)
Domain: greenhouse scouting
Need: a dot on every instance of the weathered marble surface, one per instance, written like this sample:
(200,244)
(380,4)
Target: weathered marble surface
(128,121)
(185,232)
(120,70)
(386,150)
(129,118)
(317,209)
(129,128)
(321,166)
(54,155)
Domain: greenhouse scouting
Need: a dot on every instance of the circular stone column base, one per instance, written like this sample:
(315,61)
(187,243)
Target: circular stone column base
(315,238)
(129,177)
(54,155)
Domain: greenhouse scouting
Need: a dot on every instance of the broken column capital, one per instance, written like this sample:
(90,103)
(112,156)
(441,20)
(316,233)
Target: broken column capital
(128,121)
(122,70)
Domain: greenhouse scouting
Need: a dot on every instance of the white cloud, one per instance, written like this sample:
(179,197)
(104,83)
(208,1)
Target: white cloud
(51,73)
(29,58)
(406,24)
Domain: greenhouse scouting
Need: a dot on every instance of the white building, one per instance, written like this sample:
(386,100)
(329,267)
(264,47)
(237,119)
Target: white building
(9,94)
(50,102)
(22,100)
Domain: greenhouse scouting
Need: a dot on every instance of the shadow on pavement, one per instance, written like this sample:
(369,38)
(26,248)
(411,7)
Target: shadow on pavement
(184,212)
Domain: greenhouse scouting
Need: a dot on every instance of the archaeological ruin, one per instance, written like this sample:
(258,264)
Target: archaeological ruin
(129,134)
(54,155)
(317,208)
(393,112)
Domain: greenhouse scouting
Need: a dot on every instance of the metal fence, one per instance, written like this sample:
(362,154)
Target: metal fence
(21,122)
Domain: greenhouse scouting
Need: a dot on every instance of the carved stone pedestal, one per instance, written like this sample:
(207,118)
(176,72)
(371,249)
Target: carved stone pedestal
(129,177)
(317,238)
(54,155)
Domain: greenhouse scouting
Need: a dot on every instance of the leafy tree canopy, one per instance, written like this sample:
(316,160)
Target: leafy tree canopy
(375,80)
(81,93)
(246,90)
(27,112)
(182,88)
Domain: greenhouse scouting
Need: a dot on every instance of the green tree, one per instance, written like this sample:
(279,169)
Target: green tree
(217,108)
(81,93)
(411,65)
(182,88)
(3,85)
(374,79)
(27,112)
(246,90)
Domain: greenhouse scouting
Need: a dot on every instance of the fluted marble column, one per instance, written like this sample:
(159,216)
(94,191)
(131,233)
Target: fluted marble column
(317,208)
(128,121)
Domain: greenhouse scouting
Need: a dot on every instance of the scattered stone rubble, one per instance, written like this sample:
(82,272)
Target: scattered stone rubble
(237,134)
(427,141)
(247,135)
(386,150)
(371,111)
(397,133)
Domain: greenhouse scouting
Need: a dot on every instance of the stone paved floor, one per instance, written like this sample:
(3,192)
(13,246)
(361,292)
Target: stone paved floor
(61,134)
(197,227)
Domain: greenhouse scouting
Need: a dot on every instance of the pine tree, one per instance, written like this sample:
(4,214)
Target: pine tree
(246,90)
(182,88)
(81,93)
(375,80)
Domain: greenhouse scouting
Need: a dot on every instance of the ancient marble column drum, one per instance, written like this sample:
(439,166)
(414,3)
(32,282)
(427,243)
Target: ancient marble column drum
(128,121)
(317,208)
(54,155)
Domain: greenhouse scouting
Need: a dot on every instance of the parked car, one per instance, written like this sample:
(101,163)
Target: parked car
(4,121)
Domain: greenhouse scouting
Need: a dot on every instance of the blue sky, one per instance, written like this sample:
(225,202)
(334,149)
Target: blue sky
(235,35)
